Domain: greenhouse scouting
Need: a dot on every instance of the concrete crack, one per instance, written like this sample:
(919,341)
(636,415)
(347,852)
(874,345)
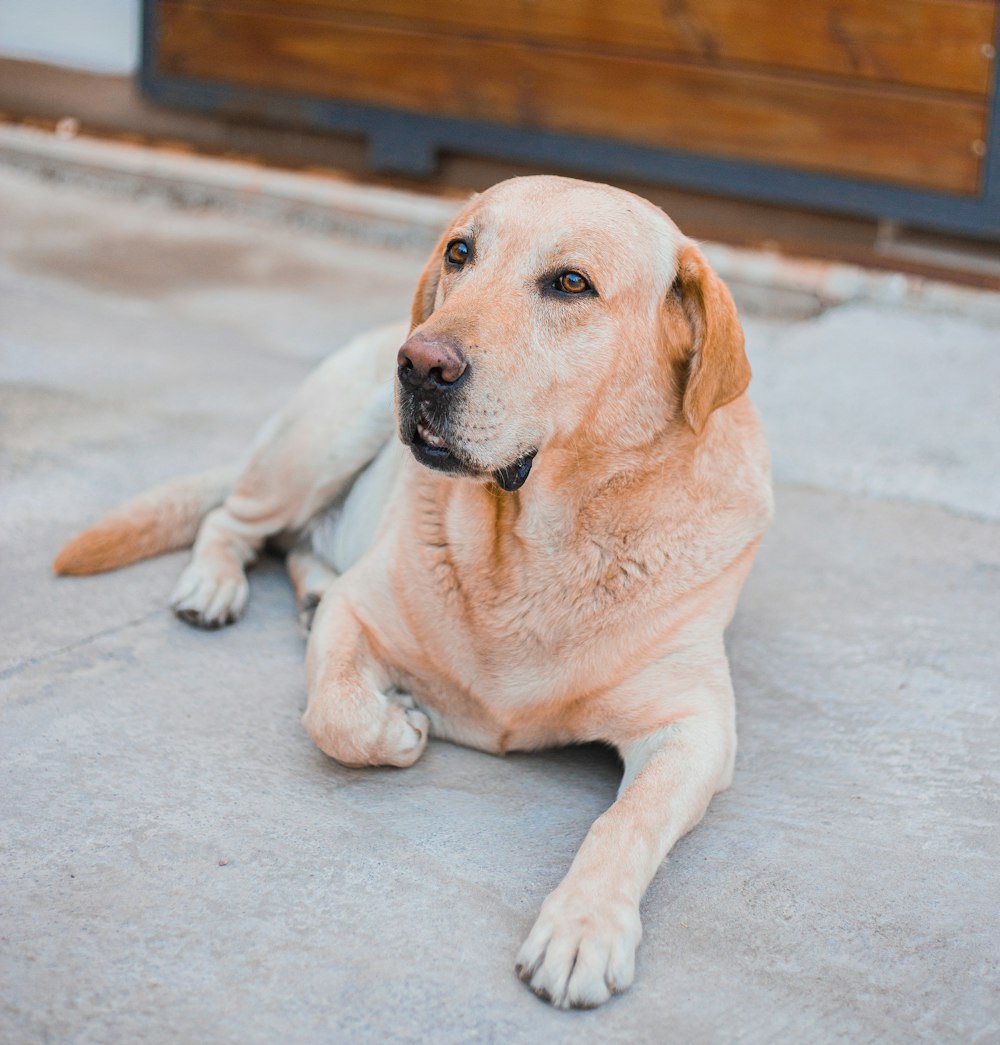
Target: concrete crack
(41,658)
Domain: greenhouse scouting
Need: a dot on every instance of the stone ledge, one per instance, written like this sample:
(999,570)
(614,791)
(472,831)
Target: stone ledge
(763,281)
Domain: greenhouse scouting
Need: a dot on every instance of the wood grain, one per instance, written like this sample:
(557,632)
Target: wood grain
(924,43)
(896,135)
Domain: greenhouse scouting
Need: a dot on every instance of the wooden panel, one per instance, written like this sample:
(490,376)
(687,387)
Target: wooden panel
(895,135)
(944,44)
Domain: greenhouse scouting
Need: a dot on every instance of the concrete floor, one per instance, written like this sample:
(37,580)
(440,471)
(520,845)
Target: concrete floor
(179,864)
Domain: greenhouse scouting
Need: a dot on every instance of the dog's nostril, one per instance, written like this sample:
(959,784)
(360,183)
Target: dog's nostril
(448,372)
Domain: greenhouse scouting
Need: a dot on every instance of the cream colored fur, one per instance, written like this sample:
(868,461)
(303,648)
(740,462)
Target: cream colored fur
(590,604)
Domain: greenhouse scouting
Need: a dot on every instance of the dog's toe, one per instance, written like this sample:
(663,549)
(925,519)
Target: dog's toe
(307,610)
(578,955)
(406,737)
(207,600)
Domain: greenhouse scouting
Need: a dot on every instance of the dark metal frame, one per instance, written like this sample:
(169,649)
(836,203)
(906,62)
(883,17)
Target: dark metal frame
(408,143)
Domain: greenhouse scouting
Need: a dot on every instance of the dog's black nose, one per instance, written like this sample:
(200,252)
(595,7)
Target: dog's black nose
(431,363)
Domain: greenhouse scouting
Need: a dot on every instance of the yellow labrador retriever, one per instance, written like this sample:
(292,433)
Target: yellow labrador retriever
(549,552)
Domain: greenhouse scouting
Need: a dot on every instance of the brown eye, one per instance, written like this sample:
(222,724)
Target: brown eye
(572,283)
(457,252)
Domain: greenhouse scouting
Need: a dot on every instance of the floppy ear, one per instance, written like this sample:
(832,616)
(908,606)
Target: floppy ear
(717,369)
(427,287)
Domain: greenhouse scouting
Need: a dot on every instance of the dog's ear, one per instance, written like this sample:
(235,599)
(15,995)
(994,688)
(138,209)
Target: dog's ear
(714,369)
(427,287)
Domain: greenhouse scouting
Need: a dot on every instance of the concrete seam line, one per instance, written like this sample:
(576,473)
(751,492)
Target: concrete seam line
(406,219)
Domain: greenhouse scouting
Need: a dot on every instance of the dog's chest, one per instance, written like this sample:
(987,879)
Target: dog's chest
(507,641)
(516,632)
(537,592)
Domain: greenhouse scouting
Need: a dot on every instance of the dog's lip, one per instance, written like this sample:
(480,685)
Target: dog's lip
(428,444)
(513,476)
(430,447)
(432,439)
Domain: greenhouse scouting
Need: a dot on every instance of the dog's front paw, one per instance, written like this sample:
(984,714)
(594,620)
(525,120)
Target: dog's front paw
(208,597)
(580,952)
(406,738)
(372,731)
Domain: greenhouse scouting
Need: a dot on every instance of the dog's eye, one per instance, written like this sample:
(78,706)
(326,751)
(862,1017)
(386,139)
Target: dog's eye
(457,252)
(571,283)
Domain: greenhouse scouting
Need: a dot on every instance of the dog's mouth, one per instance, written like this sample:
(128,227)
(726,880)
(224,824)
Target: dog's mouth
(431,448)
(431,440)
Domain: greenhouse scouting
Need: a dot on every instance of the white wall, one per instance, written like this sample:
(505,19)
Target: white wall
(99,35)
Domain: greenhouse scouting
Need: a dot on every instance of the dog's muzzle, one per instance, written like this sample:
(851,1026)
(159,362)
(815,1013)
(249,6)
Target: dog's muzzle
(430,370)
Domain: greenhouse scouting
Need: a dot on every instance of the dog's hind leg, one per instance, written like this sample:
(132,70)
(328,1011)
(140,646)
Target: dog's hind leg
(310,578)
(287,483)
(213,590)
(302,459)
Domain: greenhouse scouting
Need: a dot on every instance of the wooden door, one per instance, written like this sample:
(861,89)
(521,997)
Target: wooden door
(856,105)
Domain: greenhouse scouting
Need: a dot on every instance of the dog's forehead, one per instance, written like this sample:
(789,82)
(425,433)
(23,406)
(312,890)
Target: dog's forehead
(544,219)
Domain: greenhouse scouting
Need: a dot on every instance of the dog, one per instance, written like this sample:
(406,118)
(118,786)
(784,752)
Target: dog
(549,552)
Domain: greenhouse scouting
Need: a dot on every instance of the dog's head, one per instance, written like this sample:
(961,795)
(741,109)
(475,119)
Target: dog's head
(559,312)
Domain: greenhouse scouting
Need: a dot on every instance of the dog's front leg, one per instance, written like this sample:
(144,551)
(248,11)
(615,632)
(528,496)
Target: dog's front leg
(582,947)
(351,715)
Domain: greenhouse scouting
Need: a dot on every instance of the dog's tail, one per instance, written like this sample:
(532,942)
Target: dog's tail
(163,519)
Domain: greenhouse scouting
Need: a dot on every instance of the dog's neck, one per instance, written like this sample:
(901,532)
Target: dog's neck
(578,478)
